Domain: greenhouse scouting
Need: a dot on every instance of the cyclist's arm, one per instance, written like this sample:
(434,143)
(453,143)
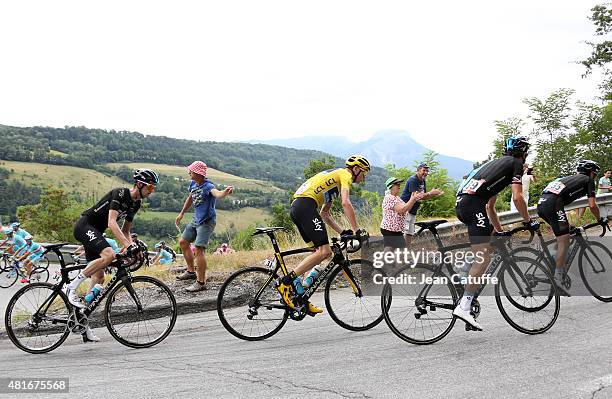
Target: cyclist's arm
(492,214)
(114,227)
(349,211)
(127,226)
(594,208)
(327,218)
(519,201)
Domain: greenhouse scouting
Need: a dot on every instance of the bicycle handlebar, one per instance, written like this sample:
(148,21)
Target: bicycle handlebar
(345,239)
(510,233)
(603,227)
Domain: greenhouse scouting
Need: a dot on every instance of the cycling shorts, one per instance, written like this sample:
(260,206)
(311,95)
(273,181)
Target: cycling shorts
(552,210)
(305,214)
(472,211)
(92,240)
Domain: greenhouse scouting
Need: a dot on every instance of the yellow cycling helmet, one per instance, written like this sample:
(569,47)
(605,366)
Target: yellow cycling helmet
(358,160)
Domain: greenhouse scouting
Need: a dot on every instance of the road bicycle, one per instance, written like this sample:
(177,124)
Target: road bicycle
(251,308)
(140,311)
(594,260)
(11,270)
(419,310)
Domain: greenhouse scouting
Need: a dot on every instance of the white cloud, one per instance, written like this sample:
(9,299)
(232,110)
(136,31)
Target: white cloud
(235,70)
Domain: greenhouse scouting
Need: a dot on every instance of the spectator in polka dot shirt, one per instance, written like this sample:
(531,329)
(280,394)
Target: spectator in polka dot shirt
(394,211)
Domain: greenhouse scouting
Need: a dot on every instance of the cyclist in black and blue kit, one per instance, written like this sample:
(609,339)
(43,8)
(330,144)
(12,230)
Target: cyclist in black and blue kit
(116,205)
(475,207)
(551,208)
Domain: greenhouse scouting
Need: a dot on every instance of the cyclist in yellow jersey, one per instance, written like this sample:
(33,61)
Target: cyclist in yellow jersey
(318,192)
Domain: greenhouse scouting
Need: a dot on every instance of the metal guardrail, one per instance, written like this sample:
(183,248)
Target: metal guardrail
(509,217)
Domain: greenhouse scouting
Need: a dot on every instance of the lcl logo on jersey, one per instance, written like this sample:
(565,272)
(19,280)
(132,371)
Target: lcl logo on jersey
(481,220)
(561,215)
(91,235)
(318,224)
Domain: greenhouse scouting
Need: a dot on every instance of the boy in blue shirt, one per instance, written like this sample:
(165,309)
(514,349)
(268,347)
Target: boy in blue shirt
(203,196)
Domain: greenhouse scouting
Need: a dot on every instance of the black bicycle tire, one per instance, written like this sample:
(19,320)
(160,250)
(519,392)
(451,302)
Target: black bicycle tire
(10,280)
(582,274)
(328,302)
(509,319)
(109,302)
(8,326)
(511,299)
(221,314)
(386,307)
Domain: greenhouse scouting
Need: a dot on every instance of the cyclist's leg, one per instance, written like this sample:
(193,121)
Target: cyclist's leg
(471,210)
(551,209)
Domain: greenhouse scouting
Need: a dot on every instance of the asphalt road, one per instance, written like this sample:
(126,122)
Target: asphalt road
(316,358)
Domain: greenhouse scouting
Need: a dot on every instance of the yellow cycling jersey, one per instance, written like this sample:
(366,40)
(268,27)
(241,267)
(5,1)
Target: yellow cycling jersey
(325,186)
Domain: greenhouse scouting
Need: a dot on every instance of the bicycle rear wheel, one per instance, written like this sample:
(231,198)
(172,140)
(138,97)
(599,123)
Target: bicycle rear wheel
(140,312)
(418,311)
(249,305)
(595,264)
(36,318)
(530,303)
(8,277)
(351,296)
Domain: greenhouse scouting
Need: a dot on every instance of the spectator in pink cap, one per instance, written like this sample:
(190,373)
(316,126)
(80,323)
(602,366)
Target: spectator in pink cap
(203,196)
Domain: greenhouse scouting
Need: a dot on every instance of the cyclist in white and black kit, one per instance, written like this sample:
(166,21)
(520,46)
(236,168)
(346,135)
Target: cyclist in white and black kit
(475,207)
(118,204)
(551,208)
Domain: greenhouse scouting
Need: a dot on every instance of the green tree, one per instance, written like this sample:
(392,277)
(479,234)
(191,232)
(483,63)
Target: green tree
(318,165)
(53,218)
(281,218)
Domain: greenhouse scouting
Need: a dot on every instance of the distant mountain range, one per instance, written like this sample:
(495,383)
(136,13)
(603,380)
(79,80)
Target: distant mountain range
(384,147)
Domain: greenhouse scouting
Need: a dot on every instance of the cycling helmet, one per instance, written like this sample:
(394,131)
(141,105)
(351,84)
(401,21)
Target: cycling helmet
(146,176)
(157,246)
(586,166)
(15,224)
(162,243)
(133,235)
(516,145)
(7,230)
(28,237)
(358,160)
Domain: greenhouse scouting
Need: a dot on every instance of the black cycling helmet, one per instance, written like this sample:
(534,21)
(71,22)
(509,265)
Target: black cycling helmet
(586,166)
(146,176)
(516,145)
(133,235)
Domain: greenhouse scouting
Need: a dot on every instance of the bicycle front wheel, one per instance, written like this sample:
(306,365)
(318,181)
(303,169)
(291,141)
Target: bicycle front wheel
(8,277)
(249,305)
(36,318)
(595,263)
(140,312)
(420,304)
(352,296)
(530,303)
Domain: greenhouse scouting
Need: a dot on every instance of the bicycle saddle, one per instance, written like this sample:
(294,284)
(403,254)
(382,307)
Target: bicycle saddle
(430,223)
(266,230)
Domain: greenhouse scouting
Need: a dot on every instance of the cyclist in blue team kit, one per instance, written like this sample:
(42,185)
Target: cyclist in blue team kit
(163,257)
(18,230)
(551,208)
(475,207)
(116,205)
(30,255)
(16,242)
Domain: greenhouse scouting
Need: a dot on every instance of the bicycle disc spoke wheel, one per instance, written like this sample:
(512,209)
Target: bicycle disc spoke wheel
(249,305)
(595,263)
(419,312)
(352,297)
(39,275)
(8,277)
(36,318)
(526,296)
(145,325)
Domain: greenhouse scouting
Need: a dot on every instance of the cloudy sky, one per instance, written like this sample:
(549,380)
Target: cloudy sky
(240,70)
